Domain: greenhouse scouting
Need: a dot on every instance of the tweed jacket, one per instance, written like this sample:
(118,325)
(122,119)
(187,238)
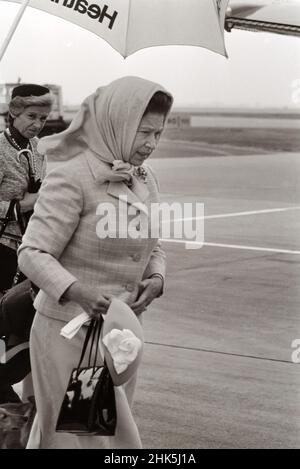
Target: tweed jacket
(14,179)
(61,244)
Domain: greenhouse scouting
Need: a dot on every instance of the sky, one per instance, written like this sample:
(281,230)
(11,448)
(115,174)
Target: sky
(263,70)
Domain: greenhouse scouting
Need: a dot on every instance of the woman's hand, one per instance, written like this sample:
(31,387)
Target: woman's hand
(149,290)
(93,302)
(28,201)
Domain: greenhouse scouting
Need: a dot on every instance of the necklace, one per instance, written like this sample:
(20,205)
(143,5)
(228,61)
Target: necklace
(11,140)
(14,143)
(27,152)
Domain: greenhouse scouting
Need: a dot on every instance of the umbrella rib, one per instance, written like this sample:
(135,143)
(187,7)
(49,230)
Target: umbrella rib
(127,28)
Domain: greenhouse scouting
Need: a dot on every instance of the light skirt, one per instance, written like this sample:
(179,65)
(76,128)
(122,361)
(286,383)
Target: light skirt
(52,360)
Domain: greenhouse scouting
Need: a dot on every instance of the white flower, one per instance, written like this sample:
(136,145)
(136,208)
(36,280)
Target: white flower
(123,347)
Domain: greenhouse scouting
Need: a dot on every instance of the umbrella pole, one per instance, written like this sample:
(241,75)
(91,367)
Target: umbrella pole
(13,28)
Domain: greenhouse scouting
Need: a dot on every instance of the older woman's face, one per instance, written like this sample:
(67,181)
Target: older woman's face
(31,121)
(147,137)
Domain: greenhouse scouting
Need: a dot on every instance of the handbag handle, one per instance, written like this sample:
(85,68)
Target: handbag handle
(93,331)
(98,330)
(34,185)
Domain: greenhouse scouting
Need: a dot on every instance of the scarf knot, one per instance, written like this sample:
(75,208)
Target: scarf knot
(122,171)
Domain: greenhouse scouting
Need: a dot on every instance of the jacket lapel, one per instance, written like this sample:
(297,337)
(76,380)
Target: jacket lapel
(121,191)
(135,196)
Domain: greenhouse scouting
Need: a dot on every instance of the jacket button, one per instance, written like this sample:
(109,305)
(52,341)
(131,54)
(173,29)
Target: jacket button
(130,287)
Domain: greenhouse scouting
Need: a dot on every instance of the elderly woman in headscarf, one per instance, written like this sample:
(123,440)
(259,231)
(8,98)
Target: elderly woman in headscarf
(21,169)
(77,264)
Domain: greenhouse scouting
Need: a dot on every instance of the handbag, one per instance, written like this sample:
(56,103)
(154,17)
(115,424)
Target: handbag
(14,214)
(8,256)
(9,216)
(17,311)
(89,405)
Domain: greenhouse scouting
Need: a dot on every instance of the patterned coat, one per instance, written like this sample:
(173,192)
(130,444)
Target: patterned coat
(61,244)
(14,179)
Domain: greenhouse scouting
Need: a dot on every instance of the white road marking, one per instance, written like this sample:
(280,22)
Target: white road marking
(235,214)
(232,246)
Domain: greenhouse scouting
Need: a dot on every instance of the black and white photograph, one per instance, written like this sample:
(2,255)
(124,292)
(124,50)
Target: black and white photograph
(149,227)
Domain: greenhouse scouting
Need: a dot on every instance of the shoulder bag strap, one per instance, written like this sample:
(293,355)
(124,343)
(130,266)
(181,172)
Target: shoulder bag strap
(20,218)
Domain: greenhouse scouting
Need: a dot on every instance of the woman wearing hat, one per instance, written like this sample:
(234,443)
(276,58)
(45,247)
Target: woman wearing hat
(21,170)
(65,251)
(19,162)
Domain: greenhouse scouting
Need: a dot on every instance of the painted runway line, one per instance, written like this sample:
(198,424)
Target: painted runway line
(235,214)
(232,246)
(219,352)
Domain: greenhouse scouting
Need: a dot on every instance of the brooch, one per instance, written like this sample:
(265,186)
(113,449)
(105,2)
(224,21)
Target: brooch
(141,174)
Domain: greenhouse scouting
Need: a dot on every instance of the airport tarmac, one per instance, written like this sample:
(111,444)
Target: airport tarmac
(218,370)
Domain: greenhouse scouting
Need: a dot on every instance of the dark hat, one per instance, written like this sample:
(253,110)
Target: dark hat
(29,90)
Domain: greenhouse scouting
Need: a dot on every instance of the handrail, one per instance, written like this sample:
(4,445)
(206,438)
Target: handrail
(261,26)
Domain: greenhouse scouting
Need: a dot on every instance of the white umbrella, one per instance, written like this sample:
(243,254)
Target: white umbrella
(275,16)
(131,25)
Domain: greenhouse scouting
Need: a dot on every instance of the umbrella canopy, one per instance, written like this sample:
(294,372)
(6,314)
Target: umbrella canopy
(131,25)
(265,15)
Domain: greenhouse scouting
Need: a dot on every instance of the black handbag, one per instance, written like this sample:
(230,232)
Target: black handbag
(89,405)
(17,311)
(9,216)
(14,214)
